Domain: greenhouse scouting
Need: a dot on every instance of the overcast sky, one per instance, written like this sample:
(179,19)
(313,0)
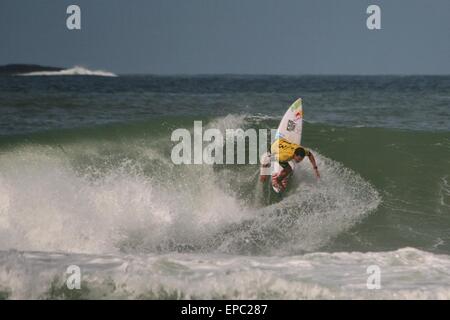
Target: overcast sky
(230,36)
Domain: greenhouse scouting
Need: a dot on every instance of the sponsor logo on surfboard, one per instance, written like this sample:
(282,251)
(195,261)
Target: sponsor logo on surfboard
(290,126)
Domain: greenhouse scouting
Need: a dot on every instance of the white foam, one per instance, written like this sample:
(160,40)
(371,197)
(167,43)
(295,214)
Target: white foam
(230,121)
(405,274)
(75,71)
(312,212)
(46,204)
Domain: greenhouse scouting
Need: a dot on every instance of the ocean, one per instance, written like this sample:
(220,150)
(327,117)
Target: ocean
(86,179)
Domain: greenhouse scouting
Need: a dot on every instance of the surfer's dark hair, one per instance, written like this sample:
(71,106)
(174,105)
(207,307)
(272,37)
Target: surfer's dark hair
(300,152)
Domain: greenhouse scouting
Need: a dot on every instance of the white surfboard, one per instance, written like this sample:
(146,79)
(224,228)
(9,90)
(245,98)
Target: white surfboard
(290,129)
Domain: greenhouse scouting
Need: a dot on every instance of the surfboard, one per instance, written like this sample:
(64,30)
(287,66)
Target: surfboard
(290,128)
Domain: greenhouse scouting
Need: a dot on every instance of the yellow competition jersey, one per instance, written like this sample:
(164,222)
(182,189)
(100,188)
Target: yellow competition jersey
(283,150)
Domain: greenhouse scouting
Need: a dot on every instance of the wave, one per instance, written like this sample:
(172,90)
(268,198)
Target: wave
(406,273)
(104,160)
(106,196)
(75,71)
(109,200)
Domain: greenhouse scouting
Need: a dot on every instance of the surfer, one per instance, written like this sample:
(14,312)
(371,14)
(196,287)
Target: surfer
(286,151)
(287,154)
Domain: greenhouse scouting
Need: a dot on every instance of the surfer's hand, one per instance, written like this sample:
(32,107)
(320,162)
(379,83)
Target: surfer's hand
(263,178)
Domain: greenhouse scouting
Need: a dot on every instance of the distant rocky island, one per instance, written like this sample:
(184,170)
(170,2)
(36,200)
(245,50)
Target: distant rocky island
(38,70)
(12,69)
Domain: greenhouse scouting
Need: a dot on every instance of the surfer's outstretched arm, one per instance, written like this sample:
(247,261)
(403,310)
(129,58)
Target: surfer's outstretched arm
(313,162)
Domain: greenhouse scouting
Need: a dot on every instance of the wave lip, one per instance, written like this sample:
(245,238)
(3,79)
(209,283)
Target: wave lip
(75,71)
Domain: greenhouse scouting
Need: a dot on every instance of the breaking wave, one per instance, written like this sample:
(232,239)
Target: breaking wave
(75,71)
(127,196)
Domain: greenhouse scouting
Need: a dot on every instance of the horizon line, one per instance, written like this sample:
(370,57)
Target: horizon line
(278,74)
(185,74)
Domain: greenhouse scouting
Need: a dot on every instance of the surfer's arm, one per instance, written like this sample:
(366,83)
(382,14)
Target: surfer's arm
(313,162)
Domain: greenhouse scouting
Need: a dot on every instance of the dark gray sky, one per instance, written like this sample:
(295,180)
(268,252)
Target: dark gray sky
(230,36)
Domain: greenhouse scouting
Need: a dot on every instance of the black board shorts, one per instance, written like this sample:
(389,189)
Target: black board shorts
(284,164)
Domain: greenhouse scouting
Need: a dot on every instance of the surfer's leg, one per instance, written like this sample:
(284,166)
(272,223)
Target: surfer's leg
(282,176)
(284,182)
(285,172)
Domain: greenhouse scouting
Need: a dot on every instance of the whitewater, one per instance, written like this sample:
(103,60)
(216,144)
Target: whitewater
(74,71)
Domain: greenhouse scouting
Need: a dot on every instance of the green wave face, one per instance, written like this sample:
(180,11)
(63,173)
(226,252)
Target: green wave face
(386,188)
